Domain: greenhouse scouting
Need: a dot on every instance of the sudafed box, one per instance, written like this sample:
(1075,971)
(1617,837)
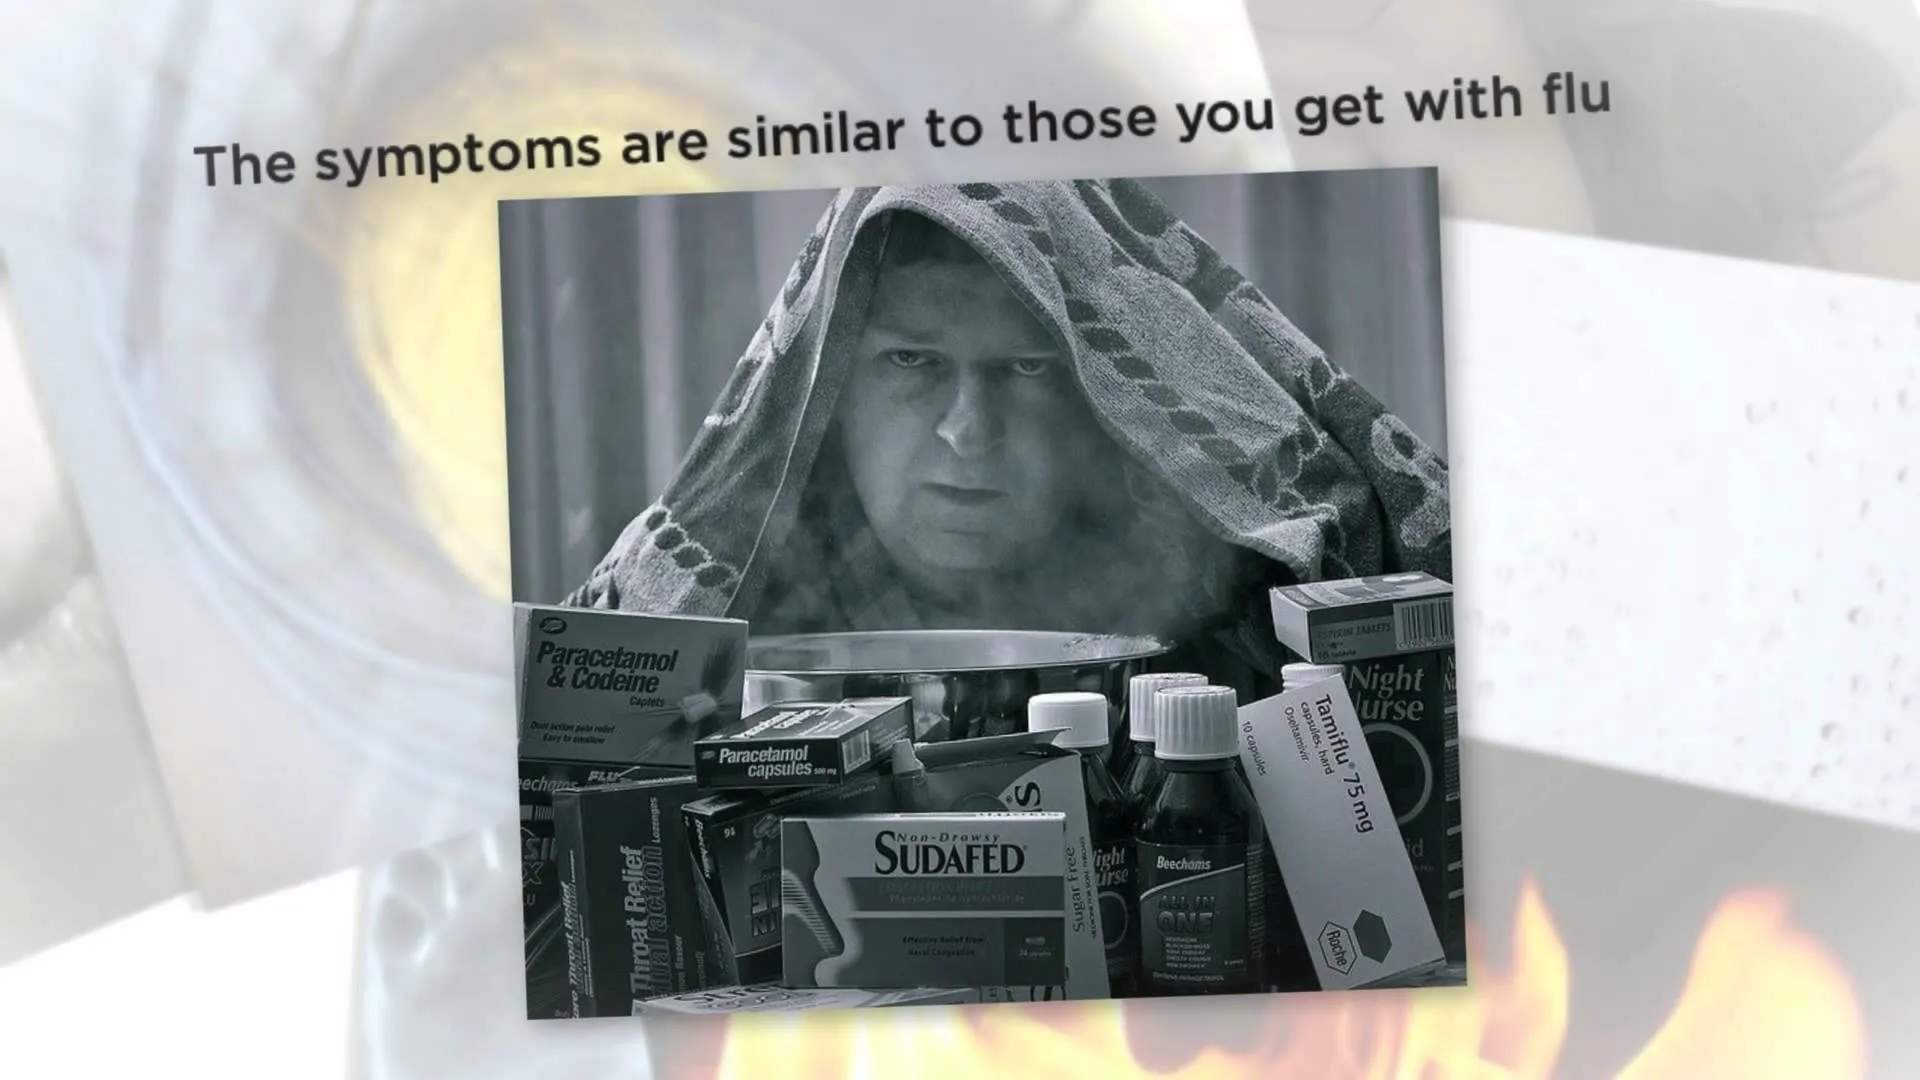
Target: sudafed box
(897,901)
(735,837)
(634,927)
(1394,636)
(1025,772)
(801,743)
(770,997)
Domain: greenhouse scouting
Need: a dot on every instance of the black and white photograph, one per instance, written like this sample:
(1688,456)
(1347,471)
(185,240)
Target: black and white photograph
(984,592)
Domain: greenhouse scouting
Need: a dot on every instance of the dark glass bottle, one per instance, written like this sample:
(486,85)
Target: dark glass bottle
(1201,851)
(1143,771)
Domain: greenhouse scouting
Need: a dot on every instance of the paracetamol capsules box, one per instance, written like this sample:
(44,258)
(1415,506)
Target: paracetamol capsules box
(898,901)
(634,927)
(1394,636)
(736,846)
(1352,887)
(602,696)
(801,743)
(773,998)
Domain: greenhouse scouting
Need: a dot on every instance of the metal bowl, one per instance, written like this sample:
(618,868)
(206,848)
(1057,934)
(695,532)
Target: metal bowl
(964,683)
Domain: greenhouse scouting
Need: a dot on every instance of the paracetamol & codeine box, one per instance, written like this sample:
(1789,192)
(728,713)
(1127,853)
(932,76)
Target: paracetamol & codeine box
(801,743)
(1394,635)
(897,901)
(632,913)
(1352,887)
(773,998)
(601,696)
(736,846)
(624,687)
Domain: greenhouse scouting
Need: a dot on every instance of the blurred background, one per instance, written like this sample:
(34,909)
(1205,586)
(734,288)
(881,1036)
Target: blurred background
(624,317)
(254,467)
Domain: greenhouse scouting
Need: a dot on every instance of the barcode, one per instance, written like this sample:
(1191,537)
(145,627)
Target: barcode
(859,749)
(1423,624)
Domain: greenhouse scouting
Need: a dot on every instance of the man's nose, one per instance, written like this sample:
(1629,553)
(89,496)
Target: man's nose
(971,425)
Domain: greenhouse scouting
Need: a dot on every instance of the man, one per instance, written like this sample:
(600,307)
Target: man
(1029,406)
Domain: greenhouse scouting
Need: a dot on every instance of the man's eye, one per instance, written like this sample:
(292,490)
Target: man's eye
(1031,366)
(908,358)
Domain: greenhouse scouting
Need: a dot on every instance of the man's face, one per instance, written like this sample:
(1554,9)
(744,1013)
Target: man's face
(961,425)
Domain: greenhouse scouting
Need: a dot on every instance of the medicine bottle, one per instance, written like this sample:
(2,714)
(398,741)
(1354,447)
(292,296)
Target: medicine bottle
(1295,676)
(1081,720)
(1201,854)
(1143,772)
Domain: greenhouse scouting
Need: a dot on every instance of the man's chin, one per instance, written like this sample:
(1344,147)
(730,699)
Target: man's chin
(962,554)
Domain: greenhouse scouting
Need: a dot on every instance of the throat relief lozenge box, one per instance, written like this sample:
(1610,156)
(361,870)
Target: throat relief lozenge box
(898,901)
(632,912)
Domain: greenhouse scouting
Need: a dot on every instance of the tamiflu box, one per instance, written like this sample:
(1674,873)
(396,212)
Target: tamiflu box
(736,848)
(1394,635)
(898,901)
(634,928)
(773,998)
(802,743)
(603,696)
(1348,878)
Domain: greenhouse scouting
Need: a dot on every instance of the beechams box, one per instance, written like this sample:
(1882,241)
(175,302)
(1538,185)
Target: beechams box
(634,927)
(897,901)
(602,696)
(1020,772)
(770,997)
(1346,870)
(736,847)
(1394,635)
(801,743)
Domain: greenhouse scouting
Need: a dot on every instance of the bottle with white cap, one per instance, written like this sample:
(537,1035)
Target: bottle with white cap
(1201,848)
(1144,772)
(1295,676)
(1082,722)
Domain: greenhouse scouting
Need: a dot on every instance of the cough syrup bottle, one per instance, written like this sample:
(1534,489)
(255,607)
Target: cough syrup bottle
(1143,774)
(1201,854)
(1081,720)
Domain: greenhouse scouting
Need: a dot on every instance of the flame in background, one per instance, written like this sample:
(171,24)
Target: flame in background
(1761,1000)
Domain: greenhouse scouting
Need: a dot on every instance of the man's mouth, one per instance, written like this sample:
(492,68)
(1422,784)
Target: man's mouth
(965,496)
